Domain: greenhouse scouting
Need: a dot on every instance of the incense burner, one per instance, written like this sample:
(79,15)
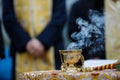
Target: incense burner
(72,60)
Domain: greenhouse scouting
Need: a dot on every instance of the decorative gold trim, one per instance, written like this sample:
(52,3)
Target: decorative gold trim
(70,51)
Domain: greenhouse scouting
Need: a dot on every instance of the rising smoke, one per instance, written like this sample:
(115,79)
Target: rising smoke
(91,33)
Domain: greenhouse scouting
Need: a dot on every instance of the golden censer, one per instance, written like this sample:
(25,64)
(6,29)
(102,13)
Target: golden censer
(72,60)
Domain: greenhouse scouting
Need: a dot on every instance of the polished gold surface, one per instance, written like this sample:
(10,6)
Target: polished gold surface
(70,51)
(70,58)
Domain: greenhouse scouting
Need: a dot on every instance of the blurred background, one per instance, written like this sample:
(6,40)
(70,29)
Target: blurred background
(112,37)
(6,64)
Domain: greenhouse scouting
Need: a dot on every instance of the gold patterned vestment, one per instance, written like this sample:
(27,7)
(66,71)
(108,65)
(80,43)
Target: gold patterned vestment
(33,15)
(112,8)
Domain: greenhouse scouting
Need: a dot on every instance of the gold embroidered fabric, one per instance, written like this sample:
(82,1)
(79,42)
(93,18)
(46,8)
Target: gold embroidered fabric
(58,75)
(112,9)
(33,15)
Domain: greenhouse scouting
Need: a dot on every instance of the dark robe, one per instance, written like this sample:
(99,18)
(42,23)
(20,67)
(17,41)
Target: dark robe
(1,43)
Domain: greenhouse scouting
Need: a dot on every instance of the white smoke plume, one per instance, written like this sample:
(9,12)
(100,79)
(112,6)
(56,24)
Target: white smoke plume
(91,33)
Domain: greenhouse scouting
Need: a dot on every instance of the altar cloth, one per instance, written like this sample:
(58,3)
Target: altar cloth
(59,75)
